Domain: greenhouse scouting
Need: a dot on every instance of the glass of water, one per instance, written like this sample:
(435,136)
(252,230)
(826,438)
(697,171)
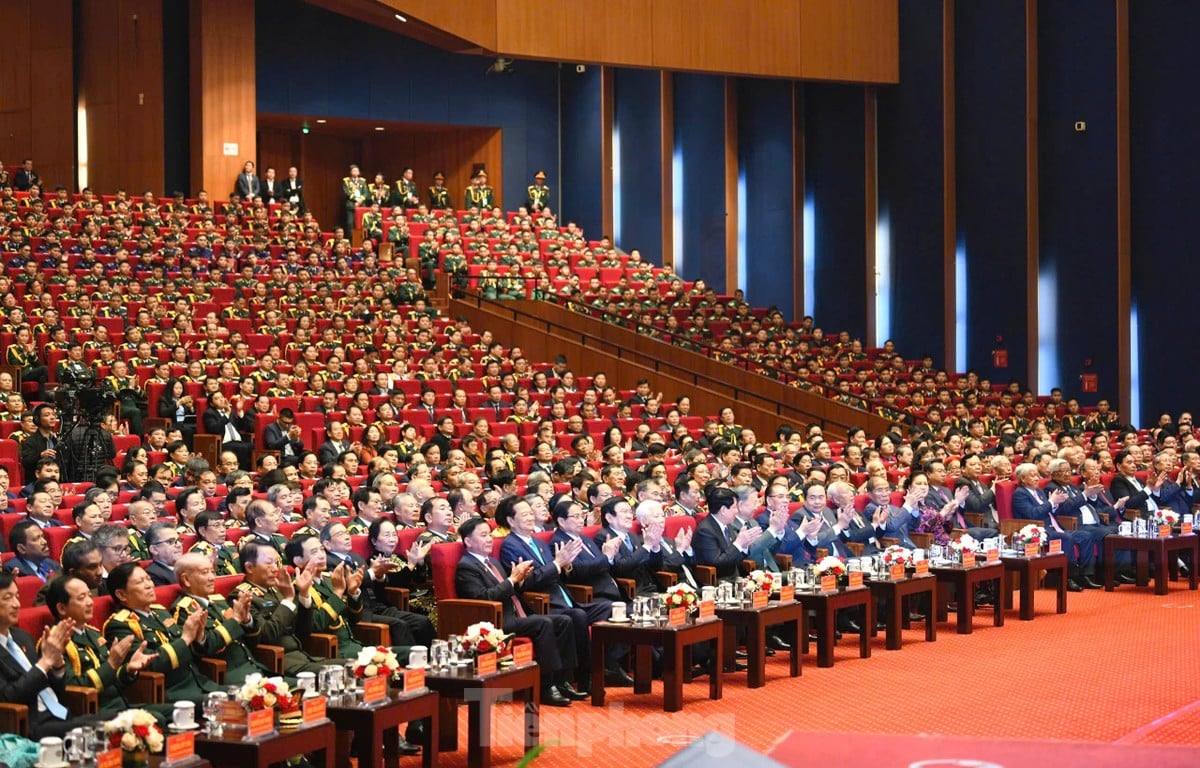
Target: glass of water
(439,653)
(214,707)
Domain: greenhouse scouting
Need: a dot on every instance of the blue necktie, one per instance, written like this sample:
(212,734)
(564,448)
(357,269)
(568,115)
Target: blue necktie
(46,695)
(537,552)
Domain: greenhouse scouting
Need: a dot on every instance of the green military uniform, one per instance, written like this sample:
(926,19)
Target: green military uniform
(276,540)
(224,638)
(86,657)
(480,197)
(283,626)
(336,615)
(427,254)
(455,265)
(537,196)
(358,527)
(731,433)
(174,657)
(355,191)
(439,197)
(226,562)
(372,225)
(405,193)
(381,193)
(138,549)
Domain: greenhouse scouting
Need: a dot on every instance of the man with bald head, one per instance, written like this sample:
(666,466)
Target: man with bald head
(1030,502)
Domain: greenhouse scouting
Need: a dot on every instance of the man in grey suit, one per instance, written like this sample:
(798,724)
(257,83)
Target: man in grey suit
(247,184)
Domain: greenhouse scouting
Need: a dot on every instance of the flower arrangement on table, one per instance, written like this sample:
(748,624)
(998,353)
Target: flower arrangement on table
(258,693)
(134,730)
(375,660)
(762,581)
(1030,534)
(830,566)
(964,543)
(483,637)
(682,596)
(897,555)
(1164,517)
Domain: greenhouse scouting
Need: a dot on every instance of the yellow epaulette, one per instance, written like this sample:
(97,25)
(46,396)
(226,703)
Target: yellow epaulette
(72,654)
(157,607)
(127,617)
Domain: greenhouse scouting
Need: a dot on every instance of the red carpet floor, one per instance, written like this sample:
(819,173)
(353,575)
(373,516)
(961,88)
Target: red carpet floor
(1117,671)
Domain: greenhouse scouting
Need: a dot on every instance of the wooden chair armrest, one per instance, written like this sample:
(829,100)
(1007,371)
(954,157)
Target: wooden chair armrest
(628,588)
(748,565)
(855,547)
(538,602)
(706,575)
(148,688)
(321,644)
(1068,522)
(213,669)
(14,718)
(822,553)
(396,596)
(454,616)
(580,593)
(784,562)
(922,540)
(1131,514)
(270,656)
(1103,517)
(665,579)
(371,633)
(888,541)
(82,700)
(974,518)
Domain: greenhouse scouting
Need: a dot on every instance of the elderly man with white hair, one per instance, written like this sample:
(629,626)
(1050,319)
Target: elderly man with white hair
(1033,503)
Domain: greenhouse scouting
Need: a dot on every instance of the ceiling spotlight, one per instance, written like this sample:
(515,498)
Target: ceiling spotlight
(401,19)
(379,127)
(322,121)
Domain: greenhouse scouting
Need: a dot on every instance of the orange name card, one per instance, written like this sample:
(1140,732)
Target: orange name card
(896,572)
(677,617)
(760,599)
(1185,529)
(413,680)
(993,555)
(922,567)
(968,559)
(260,723)
(374,689)
(707,609)
(829,583)
(787,594)
(313,709)
(485,663)
(1055,546)
(181,746)
(1031,550)
(856,579)
(1164,530)
(522,654)
(110,759)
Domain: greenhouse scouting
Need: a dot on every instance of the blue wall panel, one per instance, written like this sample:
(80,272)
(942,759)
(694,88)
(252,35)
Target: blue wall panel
(1077,194)
(835,187)
(700,140)
(767,160)
(910,146)
(372,73)
(1164,59)
(581,138)
(638,121)
(990,154)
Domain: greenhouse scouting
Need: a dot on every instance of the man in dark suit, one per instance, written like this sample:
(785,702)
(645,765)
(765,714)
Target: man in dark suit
(678,557)
(980,499)
(335,444)
(716,542)
(480,577)
(165,548)
(43,443)
(896,521)
(284,435)
(637,557)
(32,676)
(247,184)
(293,189)
(1031,503)
(28,541)
(235,429)
(1092,500)
(270,188)
(780,536)
(26,177)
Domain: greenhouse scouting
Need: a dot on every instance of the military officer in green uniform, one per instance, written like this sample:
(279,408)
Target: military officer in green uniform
(210,527)
(228,628)
(380,192)
(479,195)
(537,194)
(439,196)
(354,189)
(455,265)
(405,192)
(138,615)
(141,515)
(263,519)
(91,661)
(372,223)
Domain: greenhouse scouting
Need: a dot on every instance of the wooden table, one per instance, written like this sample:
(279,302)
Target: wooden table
(755,621)
(964,581)
(1156,548)
(1027,570)
(232,749)
(825,606)
(458,685)
(897,595)
(673,640)
(379,726)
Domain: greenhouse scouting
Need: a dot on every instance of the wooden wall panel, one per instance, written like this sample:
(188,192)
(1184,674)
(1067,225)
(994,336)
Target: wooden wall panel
(223,91)
(576,30)
(452,150)
(854,40)
(726,36)
(36,87)
(473,20)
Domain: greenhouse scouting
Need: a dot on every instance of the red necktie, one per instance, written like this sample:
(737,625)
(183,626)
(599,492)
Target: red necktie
(492,569)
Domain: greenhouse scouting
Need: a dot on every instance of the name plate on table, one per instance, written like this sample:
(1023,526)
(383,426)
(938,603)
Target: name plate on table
(787,594)
(313,709)
(992,556)
(829,583)
(856,579)
(896,572)
(968,559)
(1164,530)
(260,723)
(522,654)
(374,689)
(110,759)
(707,609)
(1031,550)
(485,663)
(677,617)
(921,567)
(1185,529)
(412,680)
(1055,546)
(180,747)
(760,598)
